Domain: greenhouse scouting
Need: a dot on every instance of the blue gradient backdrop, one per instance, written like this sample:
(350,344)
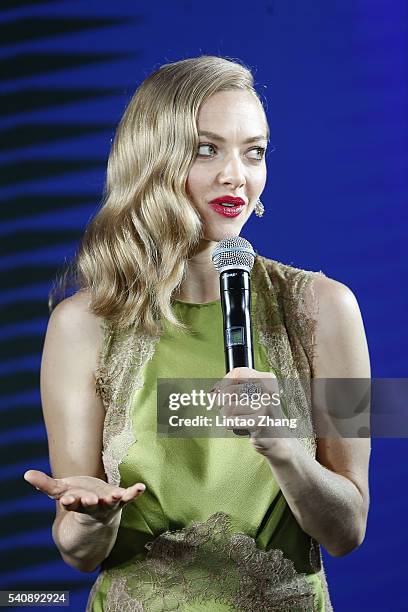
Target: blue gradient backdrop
(335,79)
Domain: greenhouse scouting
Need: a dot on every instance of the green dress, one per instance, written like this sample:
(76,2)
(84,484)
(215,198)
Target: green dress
(212,531)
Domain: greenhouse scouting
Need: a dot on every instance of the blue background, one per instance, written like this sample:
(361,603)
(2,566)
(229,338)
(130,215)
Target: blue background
(335,79)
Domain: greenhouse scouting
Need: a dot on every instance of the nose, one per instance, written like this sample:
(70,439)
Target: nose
(232,172)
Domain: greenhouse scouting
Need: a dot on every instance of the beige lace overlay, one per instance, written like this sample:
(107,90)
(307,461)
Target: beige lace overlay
(232,570)
(204,563)
(123,355)
(286,329)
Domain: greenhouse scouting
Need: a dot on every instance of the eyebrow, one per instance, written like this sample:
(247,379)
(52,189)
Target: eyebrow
(221,139)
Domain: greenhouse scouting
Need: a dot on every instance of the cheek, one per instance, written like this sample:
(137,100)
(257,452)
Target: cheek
(259,180)
(194,182)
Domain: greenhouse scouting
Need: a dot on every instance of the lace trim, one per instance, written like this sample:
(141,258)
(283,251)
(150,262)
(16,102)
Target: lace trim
(95,588)
(117,377)
(301,300)
(286,329)
(327,603)
(286,315)
(207,562)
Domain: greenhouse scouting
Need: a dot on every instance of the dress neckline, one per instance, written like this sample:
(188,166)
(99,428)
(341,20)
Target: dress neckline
(211,303)
(197,303)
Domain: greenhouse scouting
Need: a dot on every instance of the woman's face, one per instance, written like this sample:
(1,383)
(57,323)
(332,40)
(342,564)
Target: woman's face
(230,162)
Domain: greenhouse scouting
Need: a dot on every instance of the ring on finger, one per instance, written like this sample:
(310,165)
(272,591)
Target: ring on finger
(251,388)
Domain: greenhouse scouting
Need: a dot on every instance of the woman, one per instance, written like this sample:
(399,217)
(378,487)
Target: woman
(231,523)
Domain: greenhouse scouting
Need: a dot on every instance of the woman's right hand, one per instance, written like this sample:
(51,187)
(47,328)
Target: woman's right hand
(89,496)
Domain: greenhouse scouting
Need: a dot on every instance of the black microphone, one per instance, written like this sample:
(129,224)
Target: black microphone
(234,258)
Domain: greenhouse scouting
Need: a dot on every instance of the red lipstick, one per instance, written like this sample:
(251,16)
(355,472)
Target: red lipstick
(229,199)
(237,205)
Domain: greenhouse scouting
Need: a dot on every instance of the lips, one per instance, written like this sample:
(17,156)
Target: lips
(229,200)
(232,211)
(237,205)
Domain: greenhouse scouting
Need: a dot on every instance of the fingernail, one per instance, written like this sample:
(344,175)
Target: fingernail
(142,487)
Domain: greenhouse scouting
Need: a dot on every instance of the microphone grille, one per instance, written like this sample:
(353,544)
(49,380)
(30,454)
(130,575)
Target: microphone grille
(233,252)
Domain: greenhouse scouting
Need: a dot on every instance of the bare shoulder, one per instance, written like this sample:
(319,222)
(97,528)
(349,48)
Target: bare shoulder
(76,309)
(341,344)
(331,293)
(72,321)
(332,301)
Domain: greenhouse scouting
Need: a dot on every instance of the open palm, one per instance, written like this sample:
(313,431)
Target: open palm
(85,494)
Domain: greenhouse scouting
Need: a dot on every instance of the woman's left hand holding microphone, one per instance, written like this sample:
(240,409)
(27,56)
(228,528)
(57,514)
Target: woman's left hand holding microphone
(263,393)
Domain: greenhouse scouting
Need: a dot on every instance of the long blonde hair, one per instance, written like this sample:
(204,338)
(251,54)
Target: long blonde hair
(134,252)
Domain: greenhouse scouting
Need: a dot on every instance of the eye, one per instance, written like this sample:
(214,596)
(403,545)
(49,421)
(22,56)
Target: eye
(203,146)
(260,151)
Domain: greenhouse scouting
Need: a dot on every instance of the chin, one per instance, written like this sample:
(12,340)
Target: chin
(215,234)
(219,235)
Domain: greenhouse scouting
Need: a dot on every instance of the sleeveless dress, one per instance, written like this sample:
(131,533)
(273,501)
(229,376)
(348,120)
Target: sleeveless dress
(212,532)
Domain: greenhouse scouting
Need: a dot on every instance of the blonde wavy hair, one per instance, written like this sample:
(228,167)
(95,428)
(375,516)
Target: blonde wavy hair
(134,252)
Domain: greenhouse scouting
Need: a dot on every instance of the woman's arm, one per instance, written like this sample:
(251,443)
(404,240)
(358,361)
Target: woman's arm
(329,496)
(74,418)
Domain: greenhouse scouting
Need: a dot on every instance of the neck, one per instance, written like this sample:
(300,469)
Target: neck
(202,281)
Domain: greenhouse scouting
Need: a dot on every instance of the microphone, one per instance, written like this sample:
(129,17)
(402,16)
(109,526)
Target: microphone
(234,258)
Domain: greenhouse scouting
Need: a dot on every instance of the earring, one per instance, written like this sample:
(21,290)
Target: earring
(259,208)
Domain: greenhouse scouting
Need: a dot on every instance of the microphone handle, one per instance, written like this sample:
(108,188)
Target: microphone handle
(235,291)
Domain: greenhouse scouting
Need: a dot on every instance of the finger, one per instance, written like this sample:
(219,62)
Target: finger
(89,500)
(133,491)
(112,498)
(44,483)
(80,495)
(117,493)
(77,503)
(70,502)
(242,372)
(67,499)
(216,388)
(109,501)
